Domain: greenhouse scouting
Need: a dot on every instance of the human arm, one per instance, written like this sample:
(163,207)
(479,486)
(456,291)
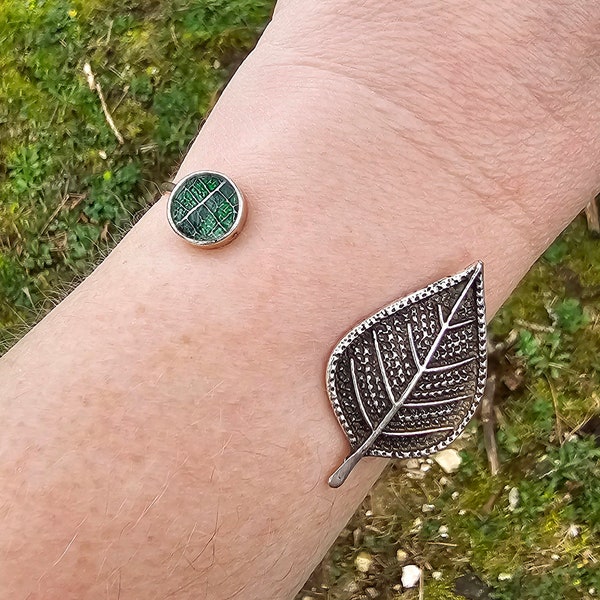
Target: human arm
(166,429)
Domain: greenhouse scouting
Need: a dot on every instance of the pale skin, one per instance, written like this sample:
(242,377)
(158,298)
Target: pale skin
(165,430)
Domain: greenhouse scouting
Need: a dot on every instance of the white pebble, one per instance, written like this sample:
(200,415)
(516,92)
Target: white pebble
(411,574)
(444,480)
(462,512)
(504,577)
(412,463)
(449,460)
(363,562)
(573,531)
(427,508)
(443,531)
(513,498)
(425,467)
(555,557)
(437,575)
(455,495)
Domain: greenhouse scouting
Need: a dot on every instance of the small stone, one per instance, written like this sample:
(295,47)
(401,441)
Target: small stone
(513,498)
(444,480)
(102,154)
(443,531)
(369,513)
(471,587)
(425,467)
(504,577)
(412,463)
(455,495)
(573,531)
(417,525)
(513,379)
(437,575)
(427,508)
(555,557)
(401,555)
(397,587)
(363,562)
(592,591)
(462,512)
(351,587)
(449,460)
(411,575)
(372,592)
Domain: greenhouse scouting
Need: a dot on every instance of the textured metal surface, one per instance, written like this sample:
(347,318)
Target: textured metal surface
(206,209)
(406,381)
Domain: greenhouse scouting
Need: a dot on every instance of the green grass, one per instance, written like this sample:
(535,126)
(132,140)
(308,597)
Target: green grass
(67,187)
(68,190)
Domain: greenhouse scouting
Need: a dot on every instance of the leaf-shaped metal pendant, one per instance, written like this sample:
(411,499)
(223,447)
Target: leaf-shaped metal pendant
(406,381)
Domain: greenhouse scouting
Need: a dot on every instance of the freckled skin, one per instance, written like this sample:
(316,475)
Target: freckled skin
(165,430)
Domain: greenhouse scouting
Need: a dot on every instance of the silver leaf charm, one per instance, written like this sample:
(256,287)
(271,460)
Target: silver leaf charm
(406,381)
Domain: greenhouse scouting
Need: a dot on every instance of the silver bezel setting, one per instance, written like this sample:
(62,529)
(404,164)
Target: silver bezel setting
(237,225)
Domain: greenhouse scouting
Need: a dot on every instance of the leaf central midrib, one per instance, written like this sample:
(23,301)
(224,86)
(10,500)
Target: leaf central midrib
(397,404)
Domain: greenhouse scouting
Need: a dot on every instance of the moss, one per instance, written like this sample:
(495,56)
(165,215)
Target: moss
(440,590)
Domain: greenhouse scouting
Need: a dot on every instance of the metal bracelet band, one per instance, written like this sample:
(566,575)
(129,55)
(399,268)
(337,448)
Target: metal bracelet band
(405,381)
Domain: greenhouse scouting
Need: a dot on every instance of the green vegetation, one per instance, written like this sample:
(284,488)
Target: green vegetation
(68,189)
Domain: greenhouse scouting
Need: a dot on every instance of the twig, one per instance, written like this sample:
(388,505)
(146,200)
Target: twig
(488,423)
(593,216)
(534,326)
(95,87)
(501,347)
(421,586)
(58,208)
(443,544)
(557,417)
(487,508)
(123,95)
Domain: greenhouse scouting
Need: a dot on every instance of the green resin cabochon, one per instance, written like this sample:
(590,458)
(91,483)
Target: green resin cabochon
(205,208)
